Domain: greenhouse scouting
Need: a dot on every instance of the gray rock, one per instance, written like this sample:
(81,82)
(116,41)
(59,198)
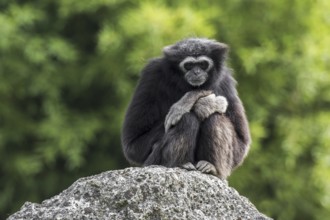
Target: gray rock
(145,193)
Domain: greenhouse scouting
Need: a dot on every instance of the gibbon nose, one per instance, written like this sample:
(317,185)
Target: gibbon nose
(197,71)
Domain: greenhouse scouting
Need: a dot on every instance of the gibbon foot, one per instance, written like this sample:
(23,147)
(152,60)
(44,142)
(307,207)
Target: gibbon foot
(206,167)
(188,166)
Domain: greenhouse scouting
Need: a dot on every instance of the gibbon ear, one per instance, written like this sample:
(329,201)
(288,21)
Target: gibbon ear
(219,49)
(170,51)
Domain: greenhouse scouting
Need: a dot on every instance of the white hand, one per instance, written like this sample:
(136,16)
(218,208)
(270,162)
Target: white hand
(221,104)
(174,115)
(208,105)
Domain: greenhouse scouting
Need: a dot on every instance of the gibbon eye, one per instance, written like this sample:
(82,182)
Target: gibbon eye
(204,65)
(189,65)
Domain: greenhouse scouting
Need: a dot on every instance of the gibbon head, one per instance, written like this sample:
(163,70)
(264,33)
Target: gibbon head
(198,59)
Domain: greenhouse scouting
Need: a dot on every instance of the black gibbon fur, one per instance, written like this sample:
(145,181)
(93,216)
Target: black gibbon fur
(186,111)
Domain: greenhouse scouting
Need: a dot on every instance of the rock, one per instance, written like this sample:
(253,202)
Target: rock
(145,193)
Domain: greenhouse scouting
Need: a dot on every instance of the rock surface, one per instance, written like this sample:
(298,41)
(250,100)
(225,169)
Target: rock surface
(145,193)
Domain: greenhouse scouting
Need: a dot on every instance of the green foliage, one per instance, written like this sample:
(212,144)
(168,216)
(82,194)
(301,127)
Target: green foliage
(68,69)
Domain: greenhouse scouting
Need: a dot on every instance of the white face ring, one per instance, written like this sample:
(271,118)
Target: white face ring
(196,60)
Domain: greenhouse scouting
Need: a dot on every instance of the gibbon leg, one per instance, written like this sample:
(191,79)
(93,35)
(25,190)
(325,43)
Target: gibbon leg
(179,143)
(214,153)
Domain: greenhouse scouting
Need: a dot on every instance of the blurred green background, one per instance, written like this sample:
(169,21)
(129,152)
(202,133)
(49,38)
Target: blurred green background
(69,67)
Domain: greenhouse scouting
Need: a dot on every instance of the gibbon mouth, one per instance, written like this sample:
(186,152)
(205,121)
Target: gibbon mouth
(196,82)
